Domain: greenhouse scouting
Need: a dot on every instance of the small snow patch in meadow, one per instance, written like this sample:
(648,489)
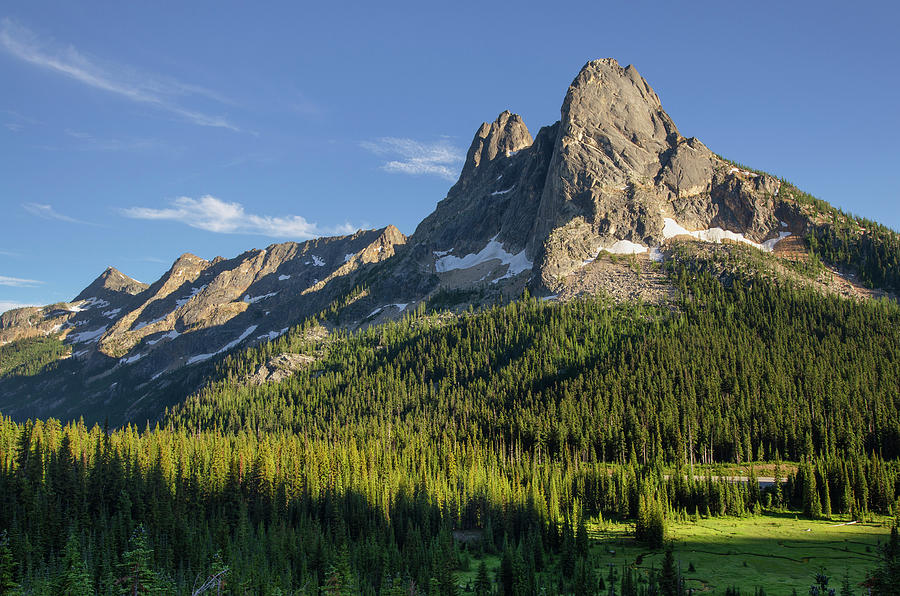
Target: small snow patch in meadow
(493,251)
(656,255)
(502,192)
(376,311)
(549,298)
(317,261)
(511,153)
(401,305)
(88,336)
(784,224)
(250,300)
(283,277)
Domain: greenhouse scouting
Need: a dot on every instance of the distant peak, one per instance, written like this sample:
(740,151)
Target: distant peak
(111,280)
(189,258)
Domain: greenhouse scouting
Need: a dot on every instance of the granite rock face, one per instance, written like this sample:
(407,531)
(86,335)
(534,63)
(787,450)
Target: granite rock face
(613,169)
(614,173)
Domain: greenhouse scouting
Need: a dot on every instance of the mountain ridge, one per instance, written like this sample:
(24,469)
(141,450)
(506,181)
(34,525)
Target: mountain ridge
(550,213)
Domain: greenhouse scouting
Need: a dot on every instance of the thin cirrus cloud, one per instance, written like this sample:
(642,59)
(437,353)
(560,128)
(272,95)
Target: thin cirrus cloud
(408,156)
(215,215)
(18,282)
(143,88)
(48,212)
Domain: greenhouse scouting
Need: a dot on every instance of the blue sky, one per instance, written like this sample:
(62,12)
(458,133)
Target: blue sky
(133,132)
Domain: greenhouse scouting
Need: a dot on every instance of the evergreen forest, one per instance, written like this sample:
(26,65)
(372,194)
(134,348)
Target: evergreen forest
(406,452)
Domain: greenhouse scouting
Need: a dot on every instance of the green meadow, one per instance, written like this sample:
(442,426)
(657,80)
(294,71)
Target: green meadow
(778,552)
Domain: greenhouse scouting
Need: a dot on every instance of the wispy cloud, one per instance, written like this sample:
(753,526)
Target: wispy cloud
(89,142)
(139,87)
(215,215)
(16,122)
(18,282)
(48,212)
(414,157)
(6,305)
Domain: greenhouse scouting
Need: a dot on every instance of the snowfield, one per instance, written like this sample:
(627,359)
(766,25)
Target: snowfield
(493,251)
(717,235)
(225,348)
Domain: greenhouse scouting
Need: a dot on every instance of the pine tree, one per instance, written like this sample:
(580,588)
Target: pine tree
(669,580)
(507,572)
(7,566)
(846,586)
(136,575)
(582,542)
(74,578)
(886,577)
(482,581)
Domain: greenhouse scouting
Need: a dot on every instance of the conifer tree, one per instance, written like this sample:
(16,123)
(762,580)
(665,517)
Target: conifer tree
(74,578)
(8,582)
(482,581)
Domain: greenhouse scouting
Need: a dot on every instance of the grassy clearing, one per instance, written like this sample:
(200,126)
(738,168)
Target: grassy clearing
(776,551)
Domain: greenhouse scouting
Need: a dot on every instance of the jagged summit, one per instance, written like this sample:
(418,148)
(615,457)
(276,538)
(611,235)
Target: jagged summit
(612,175)
(502,137)
(111,280)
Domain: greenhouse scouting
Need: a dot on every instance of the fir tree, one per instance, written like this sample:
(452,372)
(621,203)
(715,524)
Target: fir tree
(74,578)
(482,581)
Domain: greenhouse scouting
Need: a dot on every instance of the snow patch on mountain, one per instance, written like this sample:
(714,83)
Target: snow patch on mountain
(717,235)
(225,348)
(250,300)
(194,291)
(85,337)
(493,251)
(170,335)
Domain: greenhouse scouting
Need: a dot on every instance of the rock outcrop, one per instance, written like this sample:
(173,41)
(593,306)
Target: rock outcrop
(607,176)
(613,174)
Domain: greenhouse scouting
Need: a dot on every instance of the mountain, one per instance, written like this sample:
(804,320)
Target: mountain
(551,213)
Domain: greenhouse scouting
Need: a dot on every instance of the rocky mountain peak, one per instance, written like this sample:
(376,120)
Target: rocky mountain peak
(504,136)
(613,110)
(111,281)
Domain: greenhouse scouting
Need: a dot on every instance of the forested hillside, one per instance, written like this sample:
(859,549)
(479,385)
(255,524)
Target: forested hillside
(734,373)
(406,451)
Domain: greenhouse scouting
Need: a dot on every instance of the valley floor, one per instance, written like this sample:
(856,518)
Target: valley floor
(779,552)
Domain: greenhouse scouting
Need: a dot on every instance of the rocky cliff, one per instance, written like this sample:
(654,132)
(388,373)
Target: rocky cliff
(613,175)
